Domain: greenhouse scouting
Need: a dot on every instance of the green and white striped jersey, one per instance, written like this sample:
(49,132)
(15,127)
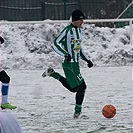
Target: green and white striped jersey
(69,42)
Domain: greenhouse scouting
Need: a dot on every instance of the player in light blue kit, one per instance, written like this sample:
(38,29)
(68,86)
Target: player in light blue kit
(9,123)
(5,80)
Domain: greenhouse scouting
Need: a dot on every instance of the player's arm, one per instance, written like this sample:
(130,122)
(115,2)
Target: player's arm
(57,45)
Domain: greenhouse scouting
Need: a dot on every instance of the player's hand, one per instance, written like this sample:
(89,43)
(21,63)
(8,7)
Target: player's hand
(1,40)
(90,64)
(68,57)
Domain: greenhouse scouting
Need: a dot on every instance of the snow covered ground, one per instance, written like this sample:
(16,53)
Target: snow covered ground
(45,106)
(28,46)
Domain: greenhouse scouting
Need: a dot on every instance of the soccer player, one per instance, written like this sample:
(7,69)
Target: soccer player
(68,45)
(5,80)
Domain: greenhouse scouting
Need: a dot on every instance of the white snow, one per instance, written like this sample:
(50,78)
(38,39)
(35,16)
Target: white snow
(28,46)
(44,105)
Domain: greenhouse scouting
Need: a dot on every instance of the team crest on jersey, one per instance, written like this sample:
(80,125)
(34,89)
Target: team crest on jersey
(77,49)
(73,41)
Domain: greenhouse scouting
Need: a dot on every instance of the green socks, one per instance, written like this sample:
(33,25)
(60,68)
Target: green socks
(78,108)
(55,75)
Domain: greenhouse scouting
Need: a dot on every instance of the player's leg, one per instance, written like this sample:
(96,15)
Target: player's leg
(50,72)
(80,93)
(66,85)
(5,79)
(76,82)
(79,99)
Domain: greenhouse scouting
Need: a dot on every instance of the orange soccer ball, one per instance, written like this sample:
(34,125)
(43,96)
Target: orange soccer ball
(109,111)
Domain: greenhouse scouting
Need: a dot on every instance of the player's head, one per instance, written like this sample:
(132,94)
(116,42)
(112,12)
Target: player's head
(77,18)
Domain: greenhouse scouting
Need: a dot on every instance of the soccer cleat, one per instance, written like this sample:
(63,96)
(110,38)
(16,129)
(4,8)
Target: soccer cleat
(77,110)
(7,106)
(76,115)
(48,72)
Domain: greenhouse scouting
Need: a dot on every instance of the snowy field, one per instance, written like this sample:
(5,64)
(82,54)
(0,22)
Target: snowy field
(45,106)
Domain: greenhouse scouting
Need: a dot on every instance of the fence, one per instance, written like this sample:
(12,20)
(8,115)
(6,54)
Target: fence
(34,10)
(127,13)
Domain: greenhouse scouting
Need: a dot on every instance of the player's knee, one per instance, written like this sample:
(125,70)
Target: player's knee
(7,80)
(82,87)
(4,77)
(74,90)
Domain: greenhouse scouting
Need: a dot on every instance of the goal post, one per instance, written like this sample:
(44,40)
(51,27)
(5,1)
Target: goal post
(129,20)
(129,9)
